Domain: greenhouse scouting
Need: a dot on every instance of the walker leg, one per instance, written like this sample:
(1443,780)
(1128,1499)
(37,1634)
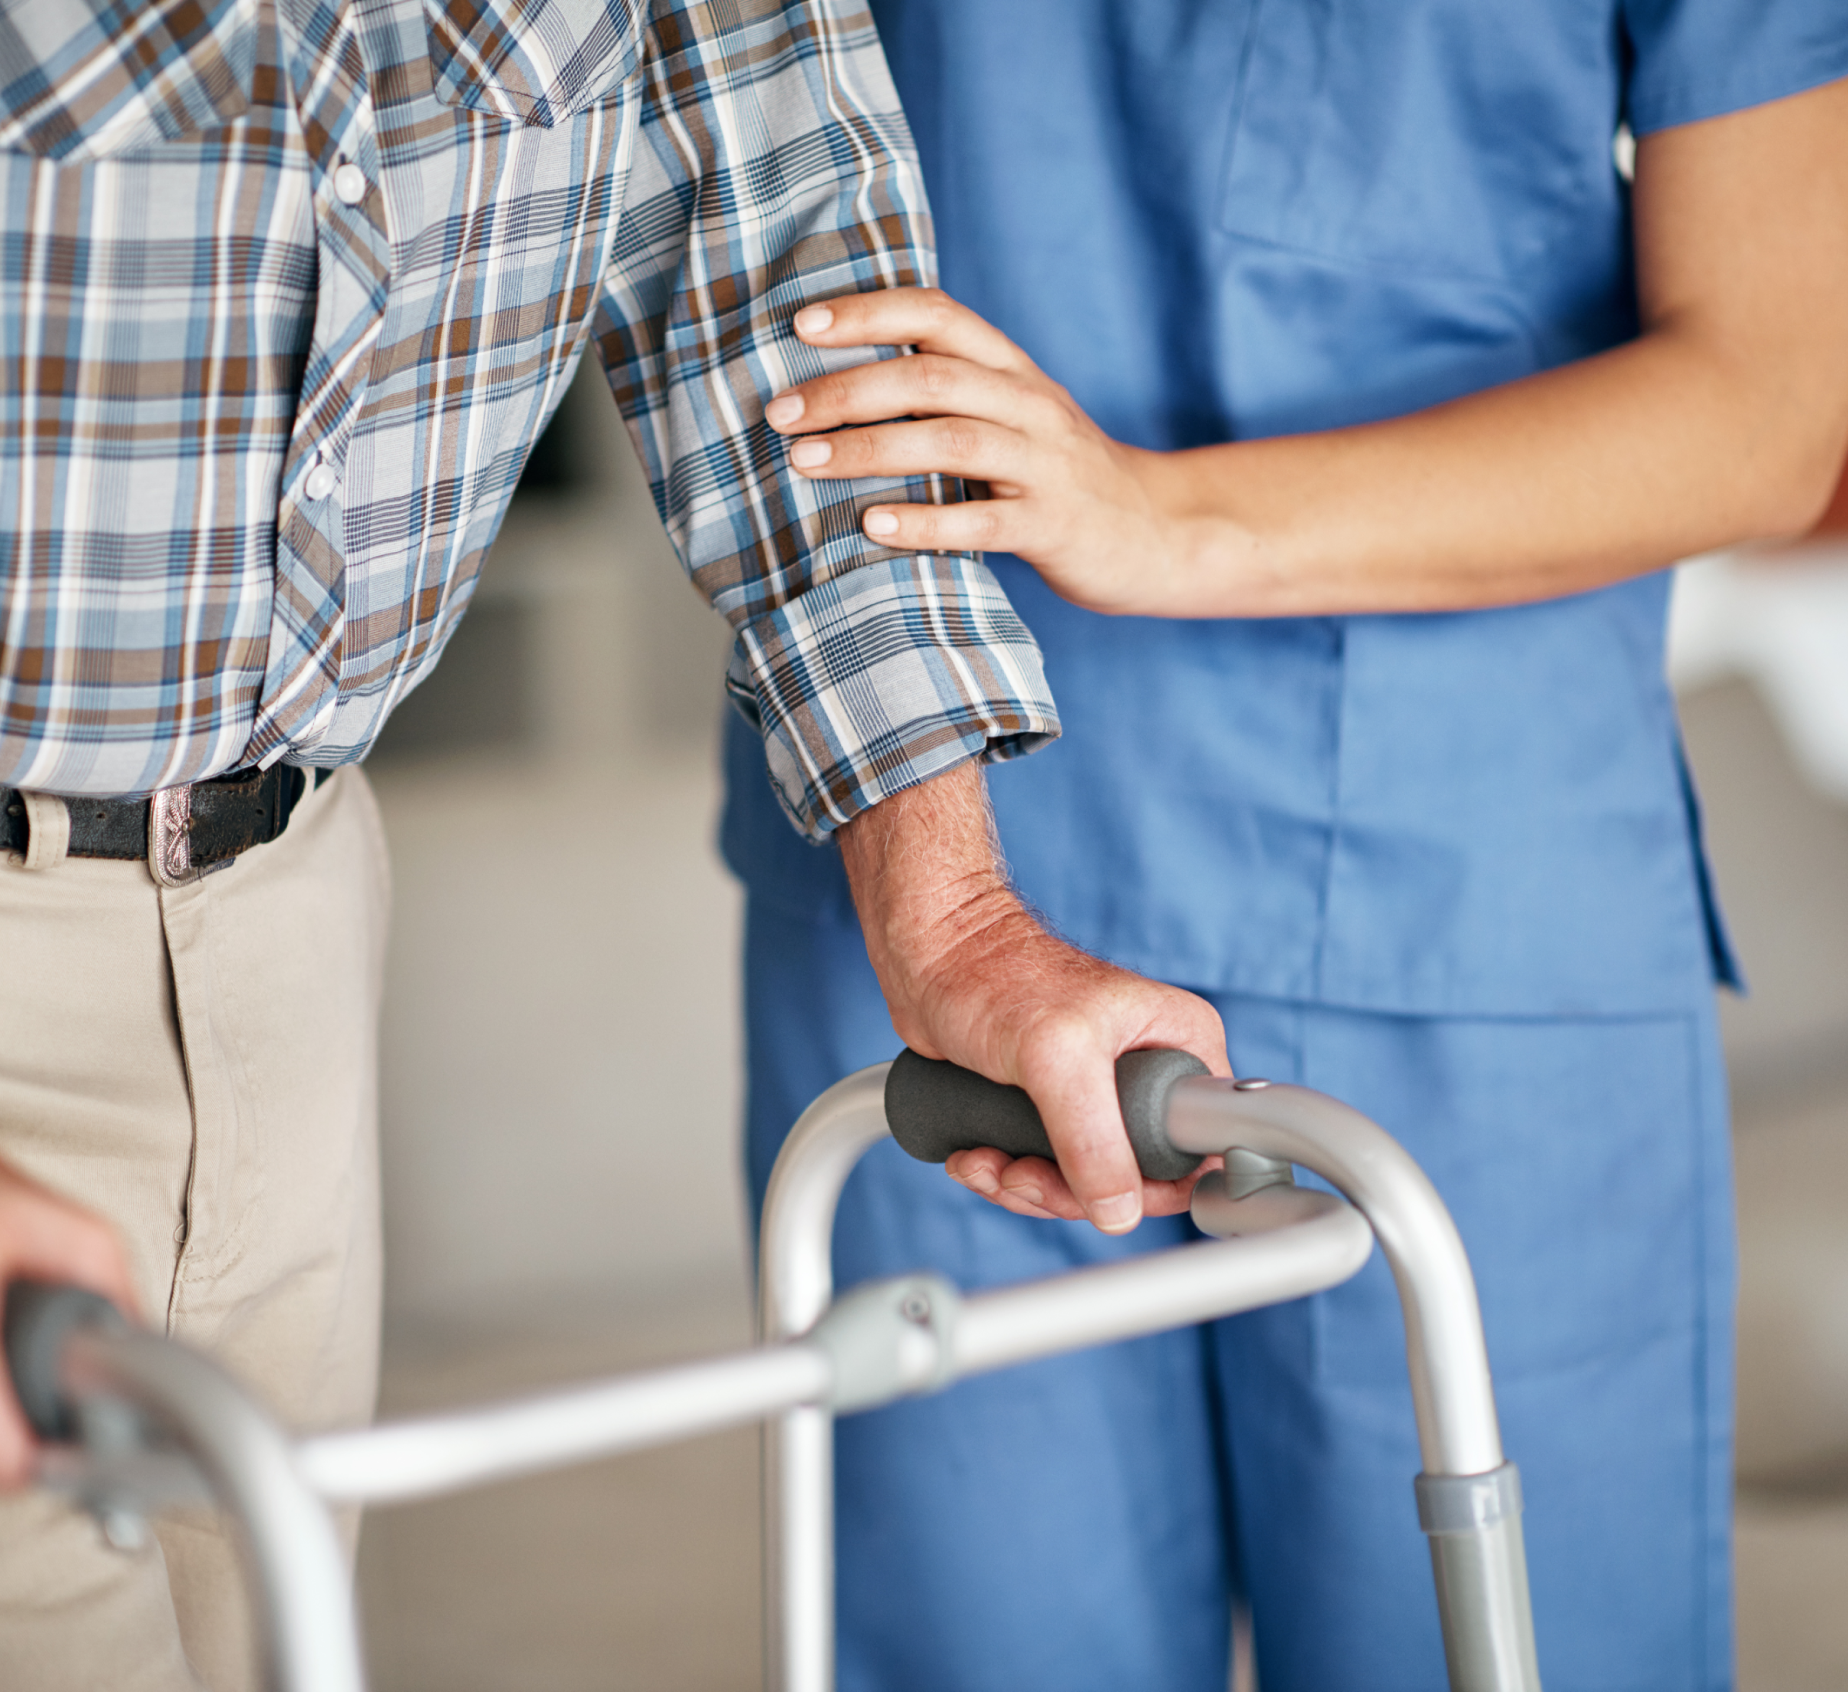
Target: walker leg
(799,1552)
(1479,1561)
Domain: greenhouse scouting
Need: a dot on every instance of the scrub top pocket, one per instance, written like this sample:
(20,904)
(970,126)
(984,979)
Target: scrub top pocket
(85,82)
(536,62)
(1461,138)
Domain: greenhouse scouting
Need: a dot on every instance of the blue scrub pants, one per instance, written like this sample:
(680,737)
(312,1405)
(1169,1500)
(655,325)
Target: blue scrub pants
(1079,1525)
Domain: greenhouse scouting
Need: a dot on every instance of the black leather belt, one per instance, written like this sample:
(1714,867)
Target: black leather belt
(183,832)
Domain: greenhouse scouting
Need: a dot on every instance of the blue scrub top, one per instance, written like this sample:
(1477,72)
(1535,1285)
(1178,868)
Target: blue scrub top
(1223,219)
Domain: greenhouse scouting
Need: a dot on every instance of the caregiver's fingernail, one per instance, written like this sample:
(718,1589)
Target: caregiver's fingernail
(807,454)
(1118,1213)
(1031,1195)
(811,320)
(784,410)
(882,522)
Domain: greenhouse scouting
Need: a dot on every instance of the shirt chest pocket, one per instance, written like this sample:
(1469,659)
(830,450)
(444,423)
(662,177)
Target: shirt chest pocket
(90,80)
(537,62)
(1465,138)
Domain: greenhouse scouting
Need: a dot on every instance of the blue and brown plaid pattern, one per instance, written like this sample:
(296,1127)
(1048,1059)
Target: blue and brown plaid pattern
(291,287)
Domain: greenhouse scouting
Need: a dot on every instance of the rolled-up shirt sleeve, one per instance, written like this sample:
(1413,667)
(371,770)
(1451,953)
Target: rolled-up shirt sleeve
(773,169)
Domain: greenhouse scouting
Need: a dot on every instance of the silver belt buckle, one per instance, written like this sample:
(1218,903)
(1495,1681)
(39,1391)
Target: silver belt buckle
(170,835)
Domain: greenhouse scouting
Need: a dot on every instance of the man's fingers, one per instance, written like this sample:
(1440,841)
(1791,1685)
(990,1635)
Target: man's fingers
(925,318)
(15,1437)
(972,974)
(1076,1095)
(1188,1023)
(46,1238)
(1168,1198)
(1033,1187)
(1067,1065)
(949,446)
(927,385)
(15,1442)
(1028,1186)
(47,1241)
(980,1167)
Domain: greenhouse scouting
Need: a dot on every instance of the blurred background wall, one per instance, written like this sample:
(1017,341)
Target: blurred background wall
(1759,651)
(562,1085)
(561,1089)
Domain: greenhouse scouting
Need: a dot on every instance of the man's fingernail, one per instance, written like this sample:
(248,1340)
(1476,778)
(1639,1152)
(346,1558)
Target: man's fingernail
(811,320)
(784,410)
(882,522)
(1030,1194)
(1118,1213)
(805,455)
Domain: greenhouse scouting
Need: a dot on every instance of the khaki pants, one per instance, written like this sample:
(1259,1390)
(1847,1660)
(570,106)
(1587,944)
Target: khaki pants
(199,1065)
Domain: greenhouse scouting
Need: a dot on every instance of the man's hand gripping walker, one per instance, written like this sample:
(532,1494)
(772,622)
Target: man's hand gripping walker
(146,1423)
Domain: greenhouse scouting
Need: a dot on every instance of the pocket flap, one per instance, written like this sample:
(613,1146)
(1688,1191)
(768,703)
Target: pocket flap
(537,62)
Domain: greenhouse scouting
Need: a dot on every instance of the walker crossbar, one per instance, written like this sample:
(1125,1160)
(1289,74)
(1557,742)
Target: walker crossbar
(158,1424)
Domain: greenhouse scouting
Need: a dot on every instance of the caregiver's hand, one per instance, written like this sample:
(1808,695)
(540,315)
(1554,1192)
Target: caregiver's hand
(1080,507)
(1724,420)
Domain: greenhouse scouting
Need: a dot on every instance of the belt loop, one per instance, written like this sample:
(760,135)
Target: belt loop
(48,830)
(170,835)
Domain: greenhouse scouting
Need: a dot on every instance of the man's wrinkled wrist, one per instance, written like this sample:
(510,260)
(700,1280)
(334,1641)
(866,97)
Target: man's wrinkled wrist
(927,876)
(922,942)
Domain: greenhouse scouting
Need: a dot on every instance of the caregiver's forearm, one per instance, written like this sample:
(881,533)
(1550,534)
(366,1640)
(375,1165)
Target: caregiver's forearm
(1548,486)
(1726,421)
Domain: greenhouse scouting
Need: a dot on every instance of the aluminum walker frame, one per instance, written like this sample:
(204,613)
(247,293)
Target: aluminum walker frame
(145,1423)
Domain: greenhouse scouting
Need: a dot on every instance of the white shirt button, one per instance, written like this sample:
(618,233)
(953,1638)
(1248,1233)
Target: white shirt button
(350,183)
(321,482)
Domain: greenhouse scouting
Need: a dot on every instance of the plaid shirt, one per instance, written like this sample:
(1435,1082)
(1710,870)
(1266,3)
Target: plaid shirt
(291,286)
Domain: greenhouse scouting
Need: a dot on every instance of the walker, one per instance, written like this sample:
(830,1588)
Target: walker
(142,1423)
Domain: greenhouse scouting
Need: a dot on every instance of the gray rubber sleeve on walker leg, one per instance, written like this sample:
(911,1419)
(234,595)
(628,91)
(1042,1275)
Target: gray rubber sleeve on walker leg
(1479,1561)
(935,1108)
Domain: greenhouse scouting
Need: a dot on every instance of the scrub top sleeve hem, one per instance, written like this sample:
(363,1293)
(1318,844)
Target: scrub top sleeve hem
(1669,103)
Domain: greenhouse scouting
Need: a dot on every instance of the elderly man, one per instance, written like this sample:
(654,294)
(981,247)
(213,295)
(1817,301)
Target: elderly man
(291,286)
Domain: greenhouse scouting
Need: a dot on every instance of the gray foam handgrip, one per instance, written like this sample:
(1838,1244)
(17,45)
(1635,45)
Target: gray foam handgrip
(40,1316)
(935,1108)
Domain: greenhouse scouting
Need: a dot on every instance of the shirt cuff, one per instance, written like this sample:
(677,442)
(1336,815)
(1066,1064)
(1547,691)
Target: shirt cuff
(885,676)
